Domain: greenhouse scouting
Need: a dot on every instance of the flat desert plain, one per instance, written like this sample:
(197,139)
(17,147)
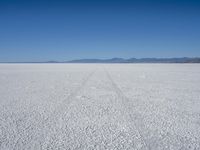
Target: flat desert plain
(100,106)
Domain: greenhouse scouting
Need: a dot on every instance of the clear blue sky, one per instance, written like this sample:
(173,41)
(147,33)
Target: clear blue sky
(64,30)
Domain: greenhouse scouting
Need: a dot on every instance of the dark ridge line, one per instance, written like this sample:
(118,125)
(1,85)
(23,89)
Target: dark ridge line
(122,60)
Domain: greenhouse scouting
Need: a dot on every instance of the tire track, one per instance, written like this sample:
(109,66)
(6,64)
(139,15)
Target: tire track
(52,116)
(124,98)
(71,96)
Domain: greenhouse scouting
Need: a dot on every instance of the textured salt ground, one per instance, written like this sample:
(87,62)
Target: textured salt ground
(166,102)
(99,106)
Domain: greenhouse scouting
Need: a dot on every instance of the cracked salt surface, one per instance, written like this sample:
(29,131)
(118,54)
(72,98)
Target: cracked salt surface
(100,106)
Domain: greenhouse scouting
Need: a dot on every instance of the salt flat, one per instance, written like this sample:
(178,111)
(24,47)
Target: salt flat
(100,106)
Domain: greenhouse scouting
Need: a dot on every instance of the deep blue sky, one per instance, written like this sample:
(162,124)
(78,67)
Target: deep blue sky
(64,30)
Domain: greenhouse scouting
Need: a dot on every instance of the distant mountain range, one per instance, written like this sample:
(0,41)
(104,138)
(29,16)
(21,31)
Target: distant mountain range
(130,60)
(140,60)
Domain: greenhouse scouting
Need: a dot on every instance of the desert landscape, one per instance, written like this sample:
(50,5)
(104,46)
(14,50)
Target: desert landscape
(100,106)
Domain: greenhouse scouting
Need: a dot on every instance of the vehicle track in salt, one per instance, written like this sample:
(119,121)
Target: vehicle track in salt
(53,115)
(125,108)
(95,121)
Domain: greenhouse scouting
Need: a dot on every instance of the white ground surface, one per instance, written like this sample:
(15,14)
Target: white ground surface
(100,106)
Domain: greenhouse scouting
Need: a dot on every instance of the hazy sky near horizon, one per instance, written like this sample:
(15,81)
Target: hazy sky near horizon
(64,30)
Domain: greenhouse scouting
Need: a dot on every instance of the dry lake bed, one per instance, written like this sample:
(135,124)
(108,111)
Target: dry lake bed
(100,106)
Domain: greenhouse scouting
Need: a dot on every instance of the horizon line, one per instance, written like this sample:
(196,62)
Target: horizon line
(110,59)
